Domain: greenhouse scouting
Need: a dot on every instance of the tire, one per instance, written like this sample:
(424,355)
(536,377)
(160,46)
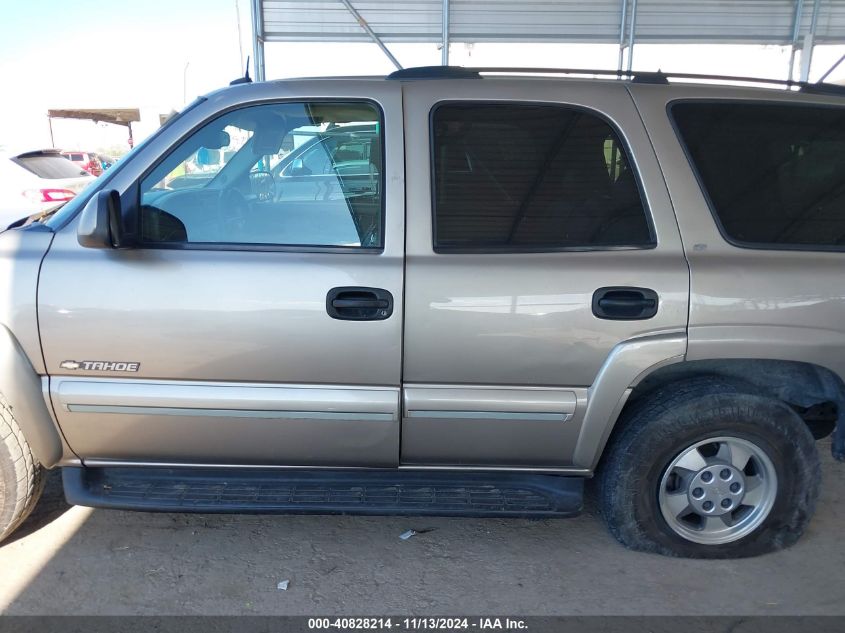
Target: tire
(21,476)
(653,465)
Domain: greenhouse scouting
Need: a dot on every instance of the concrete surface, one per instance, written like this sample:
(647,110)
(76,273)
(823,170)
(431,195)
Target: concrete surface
(82,561)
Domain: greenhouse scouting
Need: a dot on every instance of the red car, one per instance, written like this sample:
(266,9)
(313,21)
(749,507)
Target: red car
(86,160)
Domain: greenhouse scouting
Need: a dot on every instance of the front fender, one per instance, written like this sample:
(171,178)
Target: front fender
(20,387)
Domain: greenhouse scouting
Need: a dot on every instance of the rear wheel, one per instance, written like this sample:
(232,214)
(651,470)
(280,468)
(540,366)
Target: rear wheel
(21,480)
(701,469)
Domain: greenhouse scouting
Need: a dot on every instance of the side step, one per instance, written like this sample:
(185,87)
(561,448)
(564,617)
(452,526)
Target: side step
(374,492)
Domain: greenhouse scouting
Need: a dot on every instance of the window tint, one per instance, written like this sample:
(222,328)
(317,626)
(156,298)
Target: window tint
(532,177)
(775,174)
(268,175)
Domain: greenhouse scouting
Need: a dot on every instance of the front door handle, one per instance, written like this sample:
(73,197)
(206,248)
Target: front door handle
(624,303)
(354,303)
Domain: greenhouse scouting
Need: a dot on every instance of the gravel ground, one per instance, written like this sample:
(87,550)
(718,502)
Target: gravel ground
(80,561)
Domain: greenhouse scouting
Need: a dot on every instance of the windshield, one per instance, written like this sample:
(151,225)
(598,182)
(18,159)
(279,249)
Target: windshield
(51,166)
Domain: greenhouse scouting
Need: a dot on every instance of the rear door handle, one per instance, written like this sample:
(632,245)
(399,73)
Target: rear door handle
(624,303)
(359,303)
(355,303)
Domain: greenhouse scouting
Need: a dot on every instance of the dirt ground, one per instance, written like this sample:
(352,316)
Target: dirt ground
(80,561)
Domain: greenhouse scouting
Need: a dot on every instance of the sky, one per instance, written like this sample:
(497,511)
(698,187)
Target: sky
(157,54)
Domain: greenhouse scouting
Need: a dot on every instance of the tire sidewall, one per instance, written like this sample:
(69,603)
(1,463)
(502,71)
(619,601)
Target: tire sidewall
(8,488)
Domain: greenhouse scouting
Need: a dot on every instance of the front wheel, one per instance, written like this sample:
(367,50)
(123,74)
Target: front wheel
(21,476)
(702,470)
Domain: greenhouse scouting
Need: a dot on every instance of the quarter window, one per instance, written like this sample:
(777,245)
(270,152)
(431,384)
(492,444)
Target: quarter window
(532,177)
(774,174)
(274,174)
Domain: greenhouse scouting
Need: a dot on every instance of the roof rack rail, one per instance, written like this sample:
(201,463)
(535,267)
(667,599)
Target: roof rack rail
(650,77)
(436,72)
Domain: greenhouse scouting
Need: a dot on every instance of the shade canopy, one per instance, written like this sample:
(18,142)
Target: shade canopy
(118,116)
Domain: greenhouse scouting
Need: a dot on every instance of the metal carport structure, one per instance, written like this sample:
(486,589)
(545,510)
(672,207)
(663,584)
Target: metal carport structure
(116,116)
(801,24)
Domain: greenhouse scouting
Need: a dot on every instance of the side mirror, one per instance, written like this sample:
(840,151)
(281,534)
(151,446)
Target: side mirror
(298,168)
(101,223)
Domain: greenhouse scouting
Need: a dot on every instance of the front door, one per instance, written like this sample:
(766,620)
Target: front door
(251,324)
(540,236)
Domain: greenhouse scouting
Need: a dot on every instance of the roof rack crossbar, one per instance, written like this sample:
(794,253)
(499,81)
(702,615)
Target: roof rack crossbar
(652,77)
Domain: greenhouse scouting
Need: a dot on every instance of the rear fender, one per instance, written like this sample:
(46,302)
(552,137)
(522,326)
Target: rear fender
(626,365)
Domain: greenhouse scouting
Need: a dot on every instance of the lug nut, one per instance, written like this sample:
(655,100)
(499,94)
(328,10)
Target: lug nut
(725,474)
(726,503)
(707,505)
(697,493)
(735,487)
(706,477)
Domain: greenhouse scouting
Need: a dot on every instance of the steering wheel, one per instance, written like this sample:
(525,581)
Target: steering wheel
(232,209)
(263,185)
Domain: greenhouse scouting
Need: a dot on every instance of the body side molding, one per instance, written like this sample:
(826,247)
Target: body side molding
(215,422)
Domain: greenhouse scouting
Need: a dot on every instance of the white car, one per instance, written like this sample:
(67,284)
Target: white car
(36,181)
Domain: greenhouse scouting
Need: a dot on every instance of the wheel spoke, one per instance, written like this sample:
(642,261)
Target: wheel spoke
(740,455)
(751,483)
(684,475)
(713,524)
(724,454)
(692,460)
(754,491)
(677,503)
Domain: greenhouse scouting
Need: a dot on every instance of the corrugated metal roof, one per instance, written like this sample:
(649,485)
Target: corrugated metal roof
(722,21)
(393,20)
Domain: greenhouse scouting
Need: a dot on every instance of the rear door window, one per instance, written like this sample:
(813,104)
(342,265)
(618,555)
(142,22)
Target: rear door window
(526,177)
(774,174)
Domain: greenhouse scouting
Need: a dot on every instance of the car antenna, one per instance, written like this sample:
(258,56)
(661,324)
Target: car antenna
(245,79)
(830,70)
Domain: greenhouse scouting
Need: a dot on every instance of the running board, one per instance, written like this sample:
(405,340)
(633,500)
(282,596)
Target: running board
(373,492)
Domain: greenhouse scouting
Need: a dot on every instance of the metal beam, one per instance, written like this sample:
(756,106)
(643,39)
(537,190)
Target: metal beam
(258,40)
(376,39)
(831,69)
(796,30)
(444,51)
(631,34)
(240,36)
(622,21)
(809,44)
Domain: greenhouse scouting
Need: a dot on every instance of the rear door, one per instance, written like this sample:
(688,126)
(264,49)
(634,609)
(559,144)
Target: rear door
(249,326)
(540,237)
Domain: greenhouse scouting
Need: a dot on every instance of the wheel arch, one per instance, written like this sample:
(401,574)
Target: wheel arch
(800,385)
(21,388)
(794,382)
